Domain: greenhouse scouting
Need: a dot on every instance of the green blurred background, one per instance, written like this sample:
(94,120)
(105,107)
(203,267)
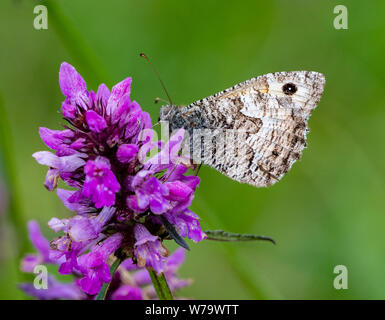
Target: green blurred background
(327,211)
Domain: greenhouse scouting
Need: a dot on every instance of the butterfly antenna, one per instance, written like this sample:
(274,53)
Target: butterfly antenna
(157,74)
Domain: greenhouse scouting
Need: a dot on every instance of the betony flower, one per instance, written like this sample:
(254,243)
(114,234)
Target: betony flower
(149,250)
(121,198)
(55,290)
(150,193)
(41,244)
(100,182)
(135,283)
(127,152)
(94,264)
(130,282)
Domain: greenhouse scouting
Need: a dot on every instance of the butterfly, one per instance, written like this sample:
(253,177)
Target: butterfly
(254,131)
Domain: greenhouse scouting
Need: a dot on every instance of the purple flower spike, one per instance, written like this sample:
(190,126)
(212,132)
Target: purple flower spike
(120,197)
(100,183)
(149,250)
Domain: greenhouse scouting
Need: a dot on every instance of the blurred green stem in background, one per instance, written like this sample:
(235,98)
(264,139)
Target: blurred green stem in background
(6,158)
(160,285)
(76,45)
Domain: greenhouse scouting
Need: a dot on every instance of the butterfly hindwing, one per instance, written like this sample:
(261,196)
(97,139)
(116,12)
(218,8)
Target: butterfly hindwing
(254,131)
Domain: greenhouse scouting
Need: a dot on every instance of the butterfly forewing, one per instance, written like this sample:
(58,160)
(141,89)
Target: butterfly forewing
(254,131)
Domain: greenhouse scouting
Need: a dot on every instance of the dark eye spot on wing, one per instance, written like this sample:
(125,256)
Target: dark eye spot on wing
(289,88)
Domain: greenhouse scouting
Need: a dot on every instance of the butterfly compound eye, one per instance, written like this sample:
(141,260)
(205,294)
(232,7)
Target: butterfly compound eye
(289,88)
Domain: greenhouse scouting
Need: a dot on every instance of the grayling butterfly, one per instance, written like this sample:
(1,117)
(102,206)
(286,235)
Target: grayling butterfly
(254,131)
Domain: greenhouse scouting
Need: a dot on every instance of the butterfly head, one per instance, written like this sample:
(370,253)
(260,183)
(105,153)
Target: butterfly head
(167,112)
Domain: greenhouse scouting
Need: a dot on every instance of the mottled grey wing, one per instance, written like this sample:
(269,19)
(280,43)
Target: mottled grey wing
(254,131)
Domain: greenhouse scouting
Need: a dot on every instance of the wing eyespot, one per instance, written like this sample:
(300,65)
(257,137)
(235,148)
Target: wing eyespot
(289,88)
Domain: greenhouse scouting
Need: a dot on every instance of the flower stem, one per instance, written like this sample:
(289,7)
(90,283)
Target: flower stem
(103,291)
(160,284)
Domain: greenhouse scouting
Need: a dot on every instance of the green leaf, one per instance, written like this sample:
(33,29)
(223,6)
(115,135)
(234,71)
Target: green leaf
(220,235)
